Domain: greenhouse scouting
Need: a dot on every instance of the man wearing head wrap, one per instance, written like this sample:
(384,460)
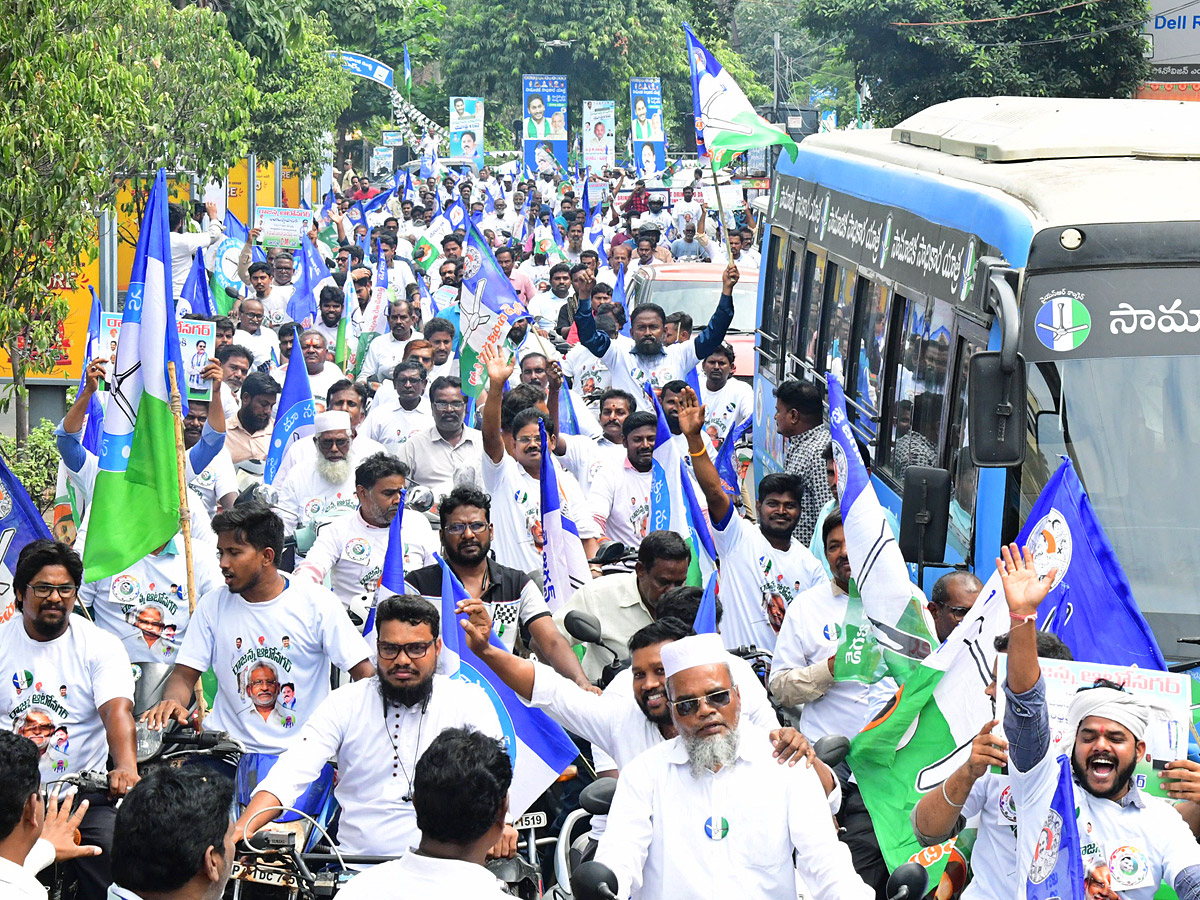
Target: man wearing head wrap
(711,813)
(324,491)
(1135,840)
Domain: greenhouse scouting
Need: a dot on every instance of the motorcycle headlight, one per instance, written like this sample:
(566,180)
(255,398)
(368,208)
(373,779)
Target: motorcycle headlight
(149,742)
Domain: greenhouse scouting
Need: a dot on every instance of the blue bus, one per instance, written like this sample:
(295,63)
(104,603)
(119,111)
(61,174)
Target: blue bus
(879,249)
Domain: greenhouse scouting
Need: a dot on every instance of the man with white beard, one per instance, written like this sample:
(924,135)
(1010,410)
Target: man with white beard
(716,793)
(326,490)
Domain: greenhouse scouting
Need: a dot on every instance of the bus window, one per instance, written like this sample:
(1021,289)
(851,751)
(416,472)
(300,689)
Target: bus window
(964,477)
(839,319)
(798,331)
(922,385)
(812,310)
(773,298)
(797,265)
(871,340)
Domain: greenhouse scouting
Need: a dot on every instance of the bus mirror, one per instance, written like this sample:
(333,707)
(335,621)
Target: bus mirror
(995,402)
(924,514)
(999,284)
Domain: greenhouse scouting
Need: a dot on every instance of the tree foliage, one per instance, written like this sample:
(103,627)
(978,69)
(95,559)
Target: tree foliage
(1084,51)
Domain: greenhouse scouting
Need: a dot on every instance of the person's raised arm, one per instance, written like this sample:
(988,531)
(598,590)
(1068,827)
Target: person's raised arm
(514,671)
(935,817)
(498,369)
(1024,590)
(246,253)
(596,341)
(76,416)
(713,334)
(691,423)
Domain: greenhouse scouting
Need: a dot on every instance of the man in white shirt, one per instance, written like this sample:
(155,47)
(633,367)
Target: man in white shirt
(717,793)
(687,211)
(460,795)
(762,568)
(377,729)
(392,421)
(345,396)
(322,374)
(449,453)
(236,363)
(71,693)
(308,497)
(350,550)
(440,334)
(656,218)
(727,401)
(251,334)
(585,456)
(545,306)
(261,632)
(184,245)
(620,493)
(331,307)
(174,838)
(388,349)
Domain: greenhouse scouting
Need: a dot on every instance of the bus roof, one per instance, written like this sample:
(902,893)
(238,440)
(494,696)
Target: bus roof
(1064,172)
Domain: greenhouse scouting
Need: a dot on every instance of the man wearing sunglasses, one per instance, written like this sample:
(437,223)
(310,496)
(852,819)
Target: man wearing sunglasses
(513,602)
(717,793)
(377,729)
(951,599)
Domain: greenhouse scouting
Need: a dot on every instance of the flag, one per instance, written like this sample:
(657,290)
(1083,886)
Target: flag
(410,192)
(341,347)
(135,504)
(93,428)
(379,201)
(312,275)
(1057,869)
(564,564)
(356,215)
(295,416)
(196,289)
(726,467)
(1091,606)
(20,524)
(668,496)
(392,578)
(706,613)
(621,300)
(456,215)
(487,304)
(704,551)
(538,747)
(725,120)
(225,262)
(407,70)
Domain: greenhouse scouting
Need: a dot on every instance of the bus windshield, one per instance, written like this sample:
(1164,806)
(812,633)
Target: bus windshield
(1132,428)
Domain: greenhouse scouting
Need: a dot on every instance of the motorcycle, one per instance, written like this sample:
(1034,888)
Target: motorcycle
(586,629)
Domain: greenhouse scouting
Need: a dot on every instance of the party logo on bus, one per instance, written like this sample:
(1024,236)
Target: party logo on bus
(885,242)
(1062,322)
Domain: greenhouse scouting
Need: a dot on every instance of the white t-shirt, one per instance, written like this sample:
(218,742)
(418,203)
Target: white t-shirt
(262,344)
(545,308)
(216,481)
(305,496)
(620,500)
(585,457)
(686,211)
(146,605)
(994,856)
(285,643)
(723,409)
(304,453)
(426,878)
(589,376)
(383,353)
(758,582)
(319,384)
(391,424)
(58,687)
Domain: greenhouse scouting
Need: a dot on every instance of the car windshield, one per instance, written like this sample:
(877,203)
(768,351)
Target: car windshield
(1132,428)
(699,298)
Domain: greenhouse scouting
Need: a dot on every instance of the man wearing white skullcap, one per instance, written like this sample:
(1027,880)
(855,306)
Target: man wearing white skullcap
(711,813)
(325,491)
(1131,842)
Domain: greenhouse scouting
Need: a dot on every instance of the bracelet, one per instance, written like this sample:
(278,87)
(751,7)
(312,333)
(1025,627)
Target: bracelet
(1022,620)
(698,453)
(946,797)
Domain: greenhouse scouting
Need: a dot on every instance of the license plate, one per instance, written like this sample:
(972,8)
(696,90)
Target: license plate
(530,820)
(261,874)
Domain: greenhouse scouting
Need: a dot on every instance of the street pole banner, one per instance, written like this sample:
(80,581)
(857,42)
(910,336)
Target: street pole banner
(599,133)
(646,127)
(466,128)
(544,126)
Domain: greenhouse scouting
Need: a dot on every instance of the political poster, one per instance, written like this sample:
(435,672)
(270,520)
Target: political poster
(282,227)
(646,125)
(197,344)
(599,133)
(466,128)
(544,123)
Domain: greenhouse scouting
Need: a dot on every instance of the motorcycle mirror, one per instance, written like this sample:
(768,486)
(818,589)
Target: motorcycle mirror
(597,797)
(908,882)
(832,749)
(609,553)
(419,498)
(594,881)
(584,627)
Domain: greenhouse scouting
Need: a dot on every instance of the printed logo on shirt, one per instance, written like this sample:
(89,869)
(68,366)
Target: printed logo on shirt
(264,682)
(639,515)
(832,631)
(357,550)
(1008,805)
(716,829)
(776,593)
(126,588)
(1128,867)
(205,479)
(1045,855)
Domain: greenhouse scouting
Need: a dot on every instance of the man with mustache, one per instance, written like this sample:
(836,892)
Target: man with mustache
(325,491)
(620,493)
(649,362)
(249,435)
(1142,840)
(377,729)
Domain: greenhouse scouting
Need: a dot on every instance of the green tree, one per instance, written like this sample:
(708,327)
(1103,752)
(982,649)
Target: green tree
(1084,51)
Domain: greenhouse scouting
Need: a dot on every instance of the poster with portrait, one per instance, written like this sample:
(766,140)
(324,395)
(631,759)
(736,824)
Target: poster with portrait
(646,125)
(544,122)
(599,133)
(466,128)
(197,344)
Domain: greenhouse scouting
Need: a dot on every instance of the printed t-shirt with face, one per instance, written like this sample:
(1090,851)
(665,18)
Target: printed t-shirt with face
(517,513)
(146,606)
(53,690)
(589,376)
(586,456)
(620,498)
(631,372)
(758,582)
(271,659)
(392,425)
(731,405)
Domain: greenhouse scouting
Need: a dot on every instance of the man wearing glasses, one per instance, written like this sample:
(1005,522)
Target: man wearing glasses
(717,792)
(952,597)
(377,729)
(326,490)
(393,420)
(250,333)
(513,602)
(48,648)
(449,453)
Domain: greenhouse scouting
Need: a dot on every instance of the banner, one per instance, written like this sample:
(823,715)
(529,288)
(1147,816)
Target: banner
(282,227)
(599,133)
(197,344)
(466,128)
(646,125)
(544,123)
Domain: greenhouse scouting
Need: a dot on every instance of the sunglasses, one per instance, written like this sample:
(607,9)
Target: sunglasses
(958,612)
(716,699)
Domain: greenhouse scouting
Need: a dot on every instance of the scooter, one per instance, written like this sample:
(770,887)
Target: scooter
(586,629)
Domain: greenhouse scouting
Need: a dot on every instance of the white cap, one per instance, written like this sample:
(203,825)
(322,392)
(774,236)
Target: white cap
(693,651)
(334,420)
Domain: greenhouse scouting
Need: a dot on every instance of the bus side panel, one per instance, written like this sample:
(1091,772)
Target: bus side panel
(768,445)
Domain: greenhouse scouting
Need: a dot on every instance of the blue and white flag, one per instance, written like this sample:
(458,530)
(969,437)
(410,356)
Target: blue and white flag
(379,201)
(706,613)
(726,466)
(392,579)
(564,564)
(620,299)
(537,745)
(673,505)
(21,524)
(240,233)
(196,290)
(295,416)
(704,550)
(327,208)
(1091,606)
(1056,872)
(93,428)
(407,69)
(356,215)
(410,192)
(312,276)
(456,214)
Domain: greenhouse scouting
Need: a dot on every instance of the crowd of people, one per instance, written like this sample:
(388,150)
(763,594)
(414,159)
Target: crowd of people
(315,660)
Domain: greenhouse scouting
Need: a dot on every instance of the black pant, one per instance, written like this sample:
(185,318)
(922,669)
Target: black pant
(858,834)
(93,873)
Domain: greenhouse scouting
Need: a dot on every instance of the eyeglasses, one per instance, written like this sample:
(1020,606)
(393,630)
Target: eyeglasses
(330,443)
(263,682)
(457,528)
(958,612)
(448,404)
(408,380)
(717,700)
(415,650)
(43,591)
(256,317)
(526,440)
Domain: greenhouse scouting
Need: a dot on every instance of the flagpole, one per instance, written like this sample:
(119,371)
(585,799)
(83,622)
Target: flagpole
(712,158)
(185,519)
